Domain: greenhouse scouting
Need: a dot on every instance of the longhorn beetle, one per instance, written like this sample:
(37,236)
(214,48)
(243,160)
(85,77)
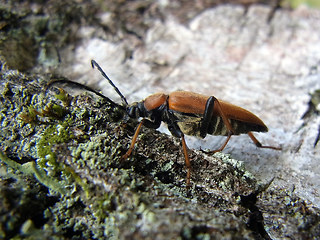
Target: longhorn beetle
(186,113)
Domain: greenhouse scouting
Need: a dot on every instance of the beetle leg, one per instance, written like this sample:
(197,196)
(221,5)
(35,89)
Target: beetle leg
(176,131)
(258,144)
(186,157)
(148,124)
(134,139)
(207,116)
(224,118)
(225,143)
(222,147)
(152,124)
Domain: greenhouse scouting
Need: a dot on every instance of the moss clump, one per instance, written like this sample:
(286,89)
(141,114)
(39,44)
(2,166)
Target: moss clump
(55,134)
(52,111)
(55,111)
(30,116)
(31,169)
(64,97)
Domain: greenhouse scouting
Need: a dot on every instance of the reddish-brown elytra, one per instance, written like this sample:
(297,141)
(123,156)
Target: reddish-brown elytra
(188,113)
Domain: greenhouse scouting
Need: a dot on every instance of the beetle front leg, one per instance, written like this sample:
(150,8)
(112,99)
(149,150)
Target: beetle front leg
(148,124)
(133,142)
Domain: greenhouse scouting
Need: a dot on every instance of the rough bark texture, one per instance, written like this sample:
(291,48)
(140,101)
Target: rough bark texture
(62,176)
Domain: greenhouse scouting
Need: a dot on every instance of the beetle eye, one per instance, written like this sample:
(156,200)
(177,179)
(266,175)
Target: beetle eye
(131,112)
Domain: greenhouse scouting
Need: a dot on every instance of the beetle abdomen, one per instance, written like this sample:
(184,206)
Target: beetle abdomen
(191,125)
(217,127)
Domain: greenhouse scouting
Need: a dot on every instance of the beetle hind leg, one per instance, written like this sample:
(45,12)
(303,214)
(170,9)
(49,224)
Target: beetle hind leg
(222,147)
(208,113)
(258,144)
(207,116)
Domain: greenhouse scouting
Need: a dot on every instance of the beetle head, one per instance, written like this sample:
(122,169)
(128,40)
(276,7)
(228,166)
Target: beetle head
(136,110)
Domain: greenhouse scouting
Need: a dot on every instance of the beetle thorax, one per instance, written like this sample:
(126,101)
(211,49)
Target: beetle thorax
(154,101)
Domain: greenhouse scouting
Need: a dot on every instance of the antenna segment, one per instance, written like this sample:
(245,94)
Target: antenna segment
(95,64)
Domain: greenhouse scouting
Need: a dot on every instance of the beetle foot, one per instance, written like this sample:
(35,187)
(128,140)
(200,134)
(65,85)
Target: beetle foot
(209,152)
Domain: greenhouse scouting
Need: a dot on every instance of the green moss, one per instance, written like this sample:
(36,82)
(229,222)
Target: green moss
(47,169)
(297,3)
(103,206)
(9,162)
(69,171)
(55,111)
(30,116)
(52,110)
(53,135)
(64,97)
(30,168)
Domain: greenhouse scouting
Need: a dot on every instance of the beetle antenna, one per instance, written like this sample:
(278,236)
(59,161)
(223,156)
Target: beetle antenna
(95,64)
(64,80)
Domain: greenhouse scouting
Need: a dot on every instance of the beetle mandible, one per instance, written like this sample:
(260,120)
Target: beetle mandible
(186,113)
